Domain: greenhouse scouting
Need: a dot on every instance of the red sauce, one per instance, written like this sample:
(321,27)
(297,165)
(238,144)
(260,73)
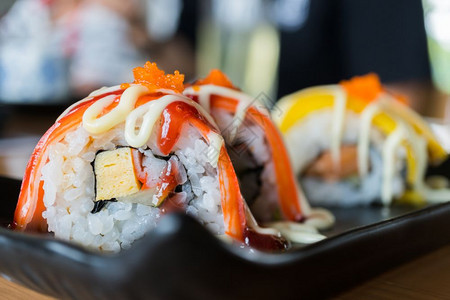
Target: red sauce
(265,242)
(174,116)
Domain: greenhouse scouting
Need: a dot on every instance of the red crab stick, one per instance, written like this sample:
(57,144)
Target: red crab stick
(30,206)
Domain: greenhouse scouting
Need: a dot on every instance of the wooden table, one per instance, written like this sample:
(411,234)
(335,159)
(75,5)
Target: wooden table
(427,277)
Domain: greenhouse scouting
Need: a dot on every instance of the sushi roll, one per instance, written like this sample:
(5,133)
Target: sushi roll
(115,162)
(258,154)
(356,143)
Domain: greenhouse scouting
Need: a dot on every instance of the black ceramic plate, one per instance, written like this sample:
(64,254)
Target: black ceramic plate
(181,260)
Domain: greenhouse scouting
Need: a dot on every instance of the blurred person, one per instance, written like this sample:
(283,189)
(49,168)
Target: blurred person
(32,65)
(54,49)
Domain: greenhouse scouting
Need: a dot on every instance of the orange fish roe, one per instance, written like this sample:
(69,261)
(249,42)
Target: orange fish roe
(154,78)
(215,77)
(366,87)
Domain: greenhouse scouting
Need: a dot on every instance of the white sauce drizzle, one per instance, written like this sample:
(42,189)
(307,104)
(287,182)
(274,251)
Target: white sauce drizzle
(204,93)
(103,90)
(150,111)
(436,196)
(317,217)
(339,109)
(294,232)
(389,151)
(367,116)
(320,218)
(117,115)
(297,232)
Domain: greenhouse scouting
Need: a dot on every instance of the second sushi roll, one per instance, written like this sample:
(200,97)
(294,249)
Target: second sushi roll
(355,143)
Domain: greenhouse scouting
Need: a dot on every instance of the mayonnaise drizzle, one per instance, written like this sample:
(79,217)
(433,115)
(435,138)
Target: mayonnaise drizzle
(103,90)
(389,151)
(117,115)
(339,110)
(150,113)
(297,232)
(204,93)
(436,196)
(367,116)
(294,232)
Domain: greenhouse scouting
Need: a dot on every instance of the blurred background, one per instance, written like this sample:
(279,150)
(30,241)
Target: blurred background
(54,52)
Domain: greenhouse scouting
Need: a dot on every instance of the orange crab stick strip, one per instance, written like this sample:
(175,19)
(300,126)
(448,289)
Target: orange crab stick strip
(287,188)
(28,214)
(232,201)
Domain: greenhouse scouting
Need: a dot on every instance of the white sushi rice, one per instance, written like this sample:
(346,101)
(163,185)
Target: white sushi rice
(309,138)
(69,191)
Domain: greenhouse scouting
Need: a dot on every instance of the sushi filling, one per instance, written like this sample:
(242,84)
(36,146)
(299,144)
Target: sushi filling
(130,175)
(324,167)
